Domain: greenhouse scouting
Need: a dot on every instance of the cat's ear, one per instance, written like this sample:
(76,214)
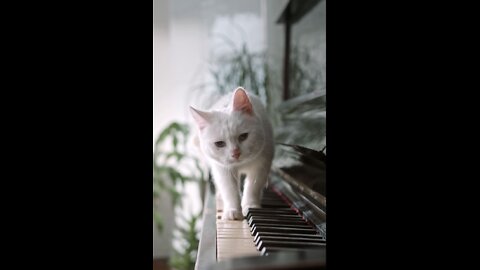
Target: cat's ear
(201,118)
(241,102)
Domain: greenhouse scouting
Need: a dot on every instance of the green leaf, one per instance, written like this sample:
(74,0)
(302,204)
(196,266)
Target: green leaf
(163,135)
(177,155)
(158,185)
(184,128)
(158,220)
(175,142)
(173,175)
(175,196)
(185,257)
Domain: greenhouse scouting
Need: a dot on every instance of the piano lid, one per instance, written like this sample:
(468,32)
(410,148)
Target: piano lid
(303,165)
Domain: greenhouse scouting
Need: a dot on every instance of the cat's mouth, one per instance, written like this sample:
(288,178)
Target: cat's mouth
(239,161)
(234,160)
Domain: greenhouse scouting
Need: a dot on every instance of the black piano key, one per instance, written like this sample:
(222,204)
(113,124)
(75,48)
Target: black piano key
(258,225)
(283,244)
(271,211)
(284,216)
(265,251)
(278,210)
(283,230)
(290,239)
(278,227)
(293,222)
(252,220)
(276,216)
(270,216)
(301,226)
(261,234)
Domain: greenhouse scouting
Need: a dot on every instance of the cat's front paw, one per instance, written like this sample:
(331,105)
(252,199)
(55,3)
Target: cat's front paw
(247,206)
(232,214)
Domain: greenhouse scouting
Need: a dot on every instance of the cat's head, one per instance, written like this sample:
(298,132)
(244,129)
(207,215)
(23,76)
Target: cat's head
(233,136)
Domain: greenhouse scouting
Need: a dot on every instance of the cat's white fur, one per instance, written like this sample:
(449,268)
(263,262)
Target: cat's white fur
(235,114)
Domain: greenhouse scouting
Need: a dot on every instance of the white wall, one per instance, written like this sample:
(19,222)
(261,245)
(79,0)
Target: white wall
(179,60)
(161,241)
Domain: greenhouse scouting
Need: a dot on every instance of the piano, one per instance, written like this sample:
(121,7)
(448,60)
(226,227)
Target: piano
(287,232)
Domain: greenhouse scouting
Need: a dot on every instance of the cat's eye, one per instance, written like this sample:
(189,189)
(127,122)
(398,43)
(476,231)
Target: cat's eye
(243,137)
(220,144)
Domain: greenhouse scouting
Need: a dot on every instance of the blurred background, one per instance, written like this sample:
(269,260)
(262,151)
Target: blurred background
(205,48)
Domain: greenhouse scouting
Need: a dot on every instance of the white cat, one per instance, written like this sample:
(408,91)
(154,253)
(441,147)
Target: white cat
(236,138)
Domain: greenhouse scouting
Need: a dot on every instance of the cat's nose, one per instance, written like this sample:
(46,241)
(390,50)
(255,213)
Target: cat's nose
(236,153)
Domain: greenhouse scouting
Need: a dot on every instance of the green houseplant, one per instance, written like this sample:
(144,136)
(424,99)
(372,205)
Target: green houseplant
(173,168)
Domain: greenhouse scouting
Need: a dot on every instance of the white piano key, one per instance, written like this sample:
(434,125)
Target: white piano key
(233,238)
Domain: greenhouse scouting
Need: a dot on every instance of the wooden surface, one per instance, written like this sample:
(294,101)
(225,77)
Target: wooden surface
(208,245)
(161,264)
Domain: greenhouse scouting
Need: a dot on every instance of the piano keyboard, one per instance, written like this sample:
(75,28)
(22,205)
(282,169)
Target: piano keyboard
(274,227)
(233,237)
